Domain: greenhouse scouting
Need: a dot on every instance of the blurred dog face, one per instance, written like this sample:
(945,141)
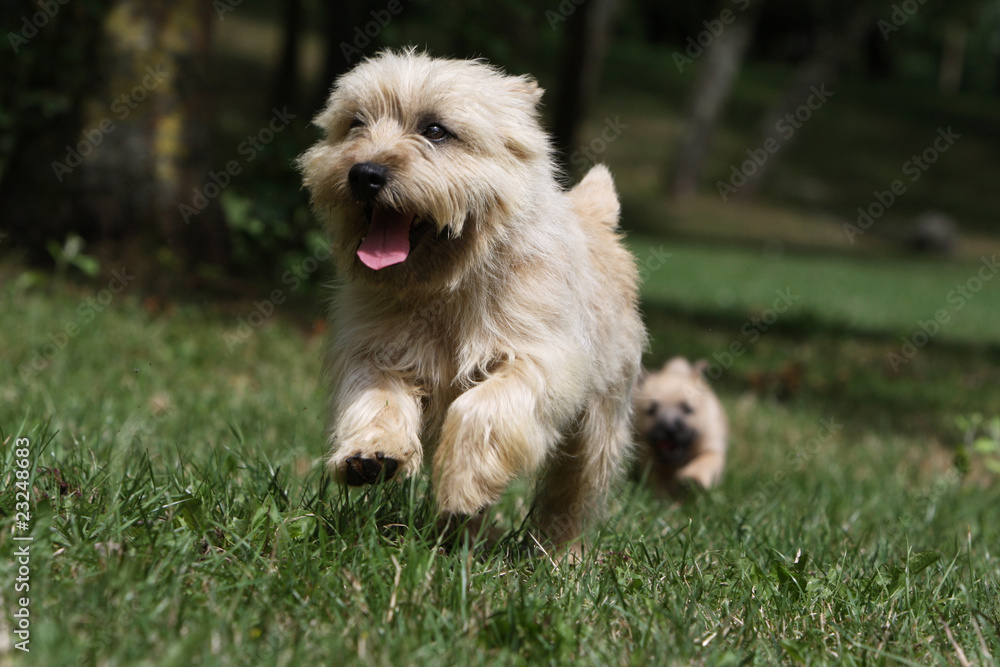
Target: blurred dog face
(682,428)
(671,406)
(423,161)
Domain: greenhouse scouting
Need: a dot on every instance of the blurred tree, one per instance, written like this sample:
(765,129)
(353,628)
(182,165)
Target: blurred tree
(284,84)
(140,144)
(587,30)
(956,23)
(841,40)
(880,60)
(668,23)
(345,40)
(952,57)
(508,33)
(152,171)
(712,85)
(47,68)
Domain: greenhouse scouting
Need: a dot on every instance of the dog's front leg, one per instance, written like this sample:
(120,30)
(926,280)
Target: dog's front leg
(375,432)
(492,433)
(705,469)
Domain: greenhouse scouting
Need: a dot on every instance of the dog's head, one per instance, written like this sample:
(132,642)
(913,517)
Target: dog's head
(424,162)
(669,407)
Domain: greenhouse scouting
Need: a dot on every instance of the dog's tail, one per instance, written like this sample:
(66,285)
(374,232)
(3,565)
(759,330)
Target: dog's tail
(596,199)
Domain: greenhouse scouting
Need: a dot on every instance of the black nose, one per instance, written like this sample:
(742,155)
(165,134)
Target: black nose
(367,179)
(661,430)
(675,432)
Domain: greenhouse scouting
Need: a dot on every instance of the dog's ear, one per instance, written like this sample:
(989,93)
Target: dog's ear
(526,87)
(334,118)
(700,367)
(525,139)
(678,366)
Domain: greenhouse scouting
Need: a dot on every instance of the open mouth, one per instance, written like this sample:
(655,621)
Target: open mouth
(391,236)
(672,450)
(388,239)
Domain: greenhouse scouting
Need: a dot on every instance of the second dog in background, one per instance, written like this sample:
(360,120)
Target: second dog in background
(681,428)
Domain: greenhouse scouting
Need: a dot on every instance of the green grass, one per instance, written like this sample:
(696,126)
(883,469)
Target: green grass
(884,296)
(181,515)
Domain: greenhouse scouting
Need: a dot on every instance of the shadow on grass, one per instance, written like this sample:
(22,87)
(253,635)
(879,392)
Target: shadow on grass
(861,377)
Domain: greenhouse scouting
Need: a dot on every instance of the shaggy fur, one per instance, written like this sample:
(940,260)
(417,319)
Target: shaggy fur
(682,428)
(507,340)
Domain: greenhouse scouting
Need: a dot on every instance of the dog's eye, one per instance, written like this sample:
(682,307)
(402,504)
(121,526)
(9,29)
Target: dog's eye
(653,407)
(686,408)
(357,122)
(435,132)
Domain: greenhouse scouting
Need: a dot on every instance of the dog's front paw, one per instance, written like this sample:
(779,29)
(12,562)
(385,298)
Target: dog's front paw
(703,472)
(359,463)
(358,470)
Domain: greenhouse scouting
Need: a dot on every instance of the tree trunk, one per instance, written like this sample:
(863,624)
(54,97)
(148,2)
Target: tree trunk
(710,91)
(952,58)
(587,32)
(45,85)
(996,83)
(821,69)
(341,51)
(150,171)
(879,58)
(285,83)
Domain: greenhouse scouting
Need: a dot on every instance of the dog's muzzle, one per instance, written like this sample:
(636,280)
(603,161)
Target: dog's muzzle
(366,180)
(671,440)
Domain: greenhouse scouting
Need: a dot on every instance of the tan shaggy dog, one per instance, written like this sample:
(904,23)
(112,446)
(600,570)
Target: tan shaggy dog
(682,428)
(486,319)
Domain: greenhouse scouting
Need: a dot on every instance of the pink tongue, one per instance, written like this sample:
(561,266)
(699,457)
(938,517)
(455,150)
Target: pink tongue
(388,240)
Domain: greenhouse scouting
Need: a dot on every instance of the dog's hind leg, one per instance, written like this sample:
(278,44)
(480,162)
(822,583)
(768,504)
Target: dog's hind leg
(580,476)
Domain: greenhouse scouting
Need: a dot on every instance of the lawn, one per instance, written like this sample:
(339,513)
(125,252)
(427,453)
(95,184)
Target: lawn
(179,513)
